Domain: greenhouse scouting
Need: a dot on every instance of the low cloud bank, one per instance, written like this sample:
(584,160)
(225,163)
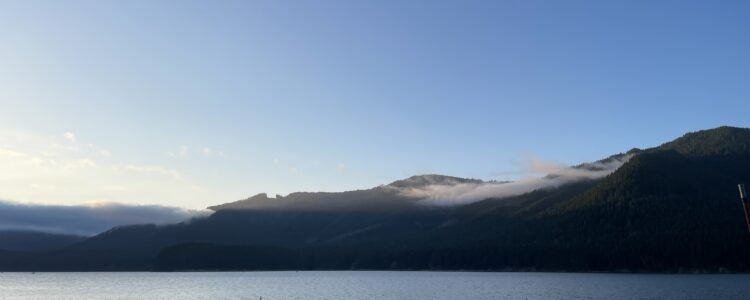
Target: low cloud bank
(87,219)
(556,175)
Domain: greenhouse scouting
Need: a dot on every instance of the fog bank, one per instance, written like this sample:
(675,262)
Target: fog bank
(556,175)
(87,219)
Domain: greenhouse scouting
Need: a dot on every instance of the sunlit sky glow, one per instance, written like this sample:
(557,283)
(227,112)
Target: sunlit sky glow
(192,104)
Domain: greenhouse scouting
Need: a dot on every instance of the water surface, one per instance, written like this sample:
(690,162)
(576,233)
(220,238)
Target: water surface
(354,285)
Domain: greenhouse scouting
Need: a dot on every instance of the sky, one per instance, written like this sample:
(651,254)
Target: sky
(196,103)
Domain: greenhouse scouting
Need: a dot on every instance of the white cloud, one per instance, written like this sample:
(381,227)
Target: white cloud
(42,169)
(71,137)
(150,169)
(11,153)
(82,163)
(184,151)
(294,171)
(43,186)
(207,151)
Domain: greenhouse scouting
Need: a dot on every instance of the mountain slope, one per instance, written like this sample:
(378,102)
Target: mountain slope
(32,241)
(669,208)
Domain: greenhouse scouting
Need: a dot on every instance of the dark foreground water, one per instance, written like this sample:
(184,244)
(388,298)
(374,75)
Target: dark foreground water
(370,285)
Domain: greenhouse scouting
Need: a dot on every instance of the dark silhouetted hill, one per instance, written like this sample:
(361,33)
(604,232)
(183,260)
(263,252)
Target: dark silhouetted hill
(33,241)
(671,208)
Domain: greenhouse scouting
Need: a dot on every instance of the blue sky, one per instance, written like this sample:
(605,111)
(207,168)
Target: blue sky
(196,103)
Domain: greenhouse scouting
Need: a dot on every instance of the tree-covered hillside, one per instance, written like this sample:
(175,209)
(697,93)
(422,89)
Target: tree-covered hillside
(670,208)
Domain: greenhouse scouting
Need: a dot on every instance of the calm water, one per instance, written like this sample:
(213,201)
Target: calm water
(370,285)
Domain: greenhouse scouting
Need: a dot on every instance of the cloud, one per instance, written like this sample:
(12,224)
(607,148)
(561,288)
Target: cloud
(207,151)
(557,175)
(294,171)
(87,219)
(182,153)
(341,168)
(150,169)
(48,169)
(11,153)
(83,163)
(71,137)
(186,151)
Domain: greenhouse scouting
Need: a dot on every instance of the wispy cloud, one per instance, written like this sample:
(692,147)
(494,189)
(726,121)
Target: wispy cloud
(149,169)
(81,163)
(87,219)
(11,153)
(556,175)
(208,151)
(69,136)
(186,151)
(64,169)
(294,171)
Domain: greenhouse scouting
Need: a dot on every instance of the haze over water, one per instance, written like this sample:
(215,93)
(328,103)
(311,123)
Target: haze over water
(372,285)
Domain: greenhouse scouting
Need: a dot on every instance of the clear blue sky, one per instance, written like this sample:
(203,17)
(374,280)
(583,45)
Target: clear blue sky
(225,99)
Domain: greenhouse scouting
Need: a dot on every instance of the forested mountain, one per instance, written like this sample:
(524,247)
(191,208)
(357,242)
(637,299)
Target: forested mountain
(34,241)
(669,208)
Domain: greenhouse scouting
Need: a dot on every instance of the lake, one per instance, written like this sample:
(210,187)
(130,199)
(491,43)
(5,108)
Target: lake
(354,285)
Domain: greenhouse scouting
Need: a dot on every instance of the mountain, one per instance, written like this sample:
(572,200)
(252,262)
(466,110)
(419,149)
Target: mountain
(671,208)
(431,179)
(381,198)
(32,241)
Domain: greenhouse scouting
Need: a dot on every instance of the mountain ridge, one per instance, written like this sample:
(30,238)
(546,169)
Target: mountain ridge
(670,208)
